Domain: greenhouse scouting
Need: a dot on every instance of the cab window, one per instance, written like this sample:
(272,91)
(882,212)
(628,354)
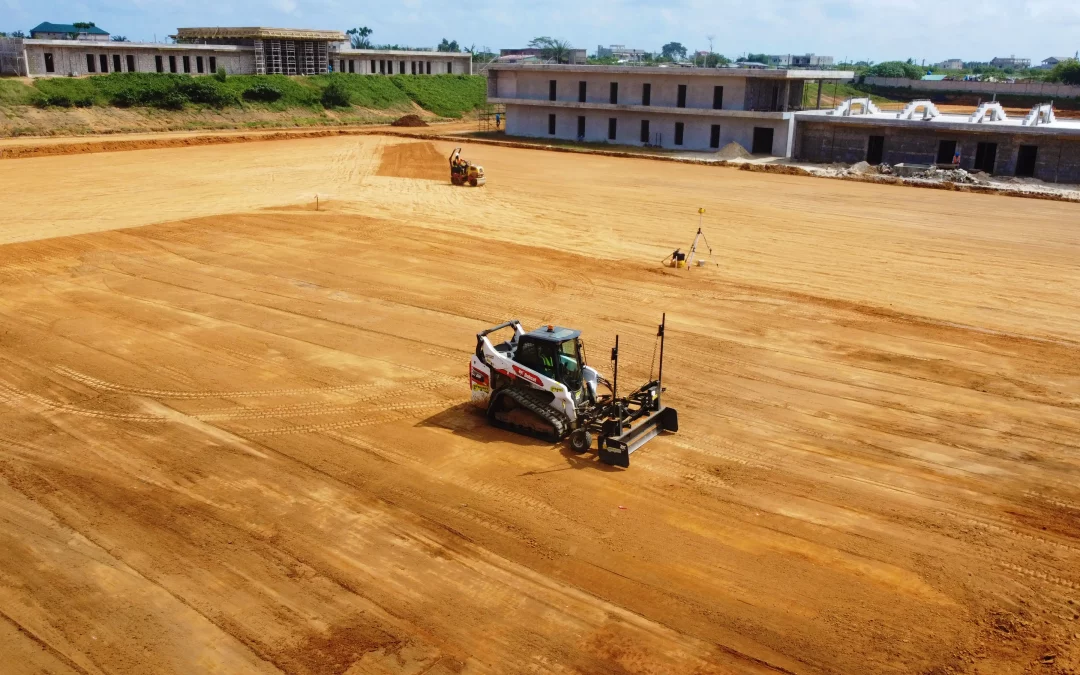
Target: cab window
(538,356)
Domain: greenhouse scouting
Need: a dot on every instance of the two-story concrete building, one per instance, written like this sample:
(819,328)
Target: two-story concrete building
(241,51)
(698,109)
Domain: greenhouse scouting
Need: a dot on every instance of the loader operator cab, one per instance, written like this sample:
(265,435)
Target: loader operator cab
(554,352)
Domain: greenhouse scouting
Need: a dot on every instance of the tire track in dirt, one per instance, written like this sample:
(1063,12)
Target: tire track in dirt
(78,410)
(337,426)
(230,394)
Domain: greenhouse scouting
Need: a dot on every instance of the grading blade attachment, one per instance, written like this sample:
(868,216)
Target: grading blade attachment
(616,450)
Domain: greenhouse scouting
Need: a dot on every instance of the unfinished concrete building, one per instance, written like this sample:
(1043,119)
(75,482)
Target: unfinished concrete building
(1037,145)
(276,51)
(698,109)
(240,51)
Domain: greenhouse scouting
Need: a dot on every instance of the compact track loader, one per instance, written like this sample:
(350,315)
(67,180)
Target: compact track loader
(538,384)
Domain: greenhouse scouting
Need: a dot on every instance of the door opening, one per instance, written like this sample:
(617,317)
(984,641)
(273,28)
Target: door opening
(875,150)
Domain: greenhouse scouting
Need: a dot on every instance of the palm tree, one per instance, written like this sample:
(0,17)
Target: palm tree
(552,49)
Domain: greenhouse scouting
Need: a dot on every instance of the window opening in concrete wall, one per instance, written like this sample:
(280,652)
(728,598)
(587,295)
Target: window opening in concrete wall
(50,67)
(646,94)
(382,66)
(401,70)
(372,71)
(945,152)
(581,91)
(352,66)
(198,64)
(1025,160)
(875,150)
(714,136)
(429,67)
(763,141)
(131,63)
(172,64)
(681,103)
(644,131)
(551,90)
(985,157)
(104,61)
(551,125)
(612,128)
(91,65)
(159,64)
(581,127)
(717,98)
(678,133)
(614,93)
(213,64)
(116,63)
(414,67)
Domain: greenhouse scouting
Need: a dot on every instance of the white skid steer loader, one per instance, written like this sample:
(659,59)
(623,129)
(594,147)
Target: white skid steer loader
(538,384)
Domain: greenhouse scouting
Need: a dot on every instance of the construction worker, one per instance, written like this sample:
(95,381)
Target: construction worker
(497,120)
(956,158)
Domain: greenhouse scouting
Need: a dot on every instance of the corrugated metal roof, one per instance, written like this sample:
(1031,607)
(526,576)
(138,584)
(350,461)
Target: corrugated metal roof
(46,27)
(934,78)
(259,33)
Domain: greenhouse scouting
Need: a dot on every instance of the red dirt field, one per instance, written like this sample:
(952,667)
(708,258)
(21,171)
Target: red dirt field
(234,434)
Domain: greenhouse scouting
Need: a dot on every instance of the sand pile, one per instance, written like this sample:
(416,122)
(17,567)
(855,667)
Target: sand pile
(409,121)
(732,151)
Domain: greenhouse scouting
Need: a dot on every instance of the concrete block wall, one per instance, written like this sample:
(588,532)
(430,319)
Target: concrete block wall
(1048,90)
(361,63)
(665,90)
(764,94)
(532,121)
(72,60)
(1057,159)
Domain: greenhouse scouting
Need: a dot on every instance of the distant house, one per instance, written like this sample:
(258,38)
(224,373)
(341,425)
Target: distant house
(1010,62)
(620,52)
(67,31)
(951,64)
(577,56)
(1048,64)
(800,61)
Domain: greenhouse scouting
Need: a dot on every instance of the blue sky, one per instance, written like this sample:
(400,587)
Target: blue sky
(858,29)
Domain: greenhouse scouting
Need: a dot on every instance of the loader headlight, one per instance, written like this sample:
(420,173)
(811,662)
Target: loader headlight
(653,393)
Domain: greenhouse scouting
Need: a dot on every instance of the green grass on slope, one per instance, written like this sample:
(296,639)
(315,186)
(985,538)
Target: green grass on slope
(444,95)
(14,92)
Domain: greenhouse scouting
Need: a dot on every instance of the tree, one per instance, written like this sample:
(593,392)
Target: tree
(716,60)
(447,46)
(758,58)
(119,38)
(673,51)
(358,37)
(552,49)
(896,69)
(84,24)
(1066,72)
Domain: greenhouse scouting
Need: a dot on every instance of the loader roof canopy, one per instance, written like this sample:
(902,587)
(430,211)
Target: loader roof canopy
(556,334)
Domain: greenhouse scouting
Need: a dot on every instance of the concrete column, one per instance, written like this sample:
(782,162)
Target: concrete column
(787,93)
(820,86)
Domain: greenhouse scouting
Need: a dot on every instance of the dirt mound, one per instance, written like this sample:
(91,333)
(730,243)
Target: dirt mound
(409,121)
(732,151)
(414,160)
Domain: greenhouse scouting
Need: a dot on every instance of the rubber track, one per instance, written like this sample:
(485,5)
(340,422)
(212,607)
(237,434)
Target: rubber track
(529,399)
